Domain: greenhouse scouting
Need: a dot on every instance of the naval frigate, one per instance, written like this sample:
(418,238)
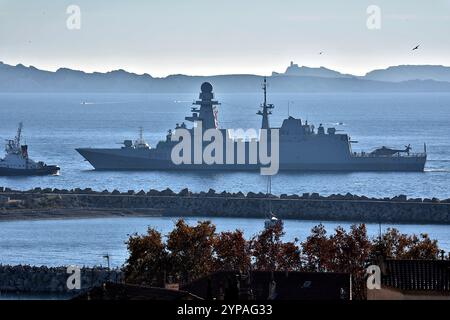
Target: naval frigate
(302,147)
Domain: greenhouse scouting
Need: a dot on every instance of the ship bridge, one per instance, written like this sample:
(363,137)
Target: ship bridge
(293,126)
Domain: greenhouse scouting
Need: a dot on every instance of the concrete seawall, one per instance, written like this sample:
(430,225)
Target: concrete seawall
(347,207)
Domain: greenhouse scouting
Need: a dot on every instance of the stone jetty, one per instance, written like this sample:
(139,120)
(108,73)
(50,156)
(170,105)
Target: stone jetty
(347,207)
(43,279)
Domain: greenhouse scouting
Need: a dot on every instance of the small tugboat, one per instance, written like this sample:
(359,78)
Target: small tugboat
(17,163)
(271,222)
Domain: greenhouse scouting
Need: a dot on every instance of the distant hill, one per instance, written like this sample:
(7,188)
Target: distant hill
(410,72)
(294,70)
(20,78)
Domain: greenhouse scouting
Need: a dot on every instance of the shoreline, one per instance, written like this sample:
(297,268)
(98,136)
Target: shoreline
(99,213)
(72,214)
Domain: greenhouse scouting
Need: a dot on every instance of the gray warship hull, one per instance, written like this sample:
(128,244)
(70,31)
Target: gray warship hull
(298,146)
(121,159)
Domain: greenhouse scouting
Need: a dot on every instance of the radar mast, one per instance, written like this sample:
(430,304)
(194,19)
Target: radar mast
(265,108)
(207,114)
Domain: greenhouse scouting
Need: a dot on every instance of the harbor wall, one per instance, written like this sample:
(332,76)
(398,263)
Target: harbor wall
(307,206)
(43,279)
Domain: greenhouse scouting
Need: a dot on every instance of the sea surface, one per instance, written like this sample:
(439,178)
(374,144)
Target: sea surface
(84,242)
(56,124)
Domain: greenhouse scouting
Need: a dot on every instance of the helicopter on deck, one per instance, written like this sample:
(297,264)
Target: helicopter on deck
(385,151)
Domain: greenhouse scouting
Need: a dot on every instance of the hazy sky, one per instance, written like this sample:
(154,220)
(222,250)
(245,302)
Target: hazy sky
(201,37)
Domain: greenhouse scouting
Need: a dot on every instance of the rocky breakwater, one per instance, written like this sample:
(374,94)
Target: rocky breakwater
(348,207)
(33,279)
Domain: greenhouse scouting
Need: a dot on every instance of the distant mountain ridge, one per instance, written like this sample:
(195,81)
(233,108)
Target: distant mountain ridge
(410,72)
(20,78)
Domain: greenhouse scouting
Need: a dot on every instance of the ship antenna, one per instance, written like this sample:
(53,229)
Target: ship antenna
(19,134)
(289,107)
(141,134)
(107,256)
(265,91)
(269,192)
(269,184)
(265,108)
(379,229)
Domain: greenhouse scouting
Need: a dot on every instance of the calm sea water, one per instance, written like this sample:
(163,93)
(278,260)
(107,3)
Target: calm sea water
(86,241)
(55,124)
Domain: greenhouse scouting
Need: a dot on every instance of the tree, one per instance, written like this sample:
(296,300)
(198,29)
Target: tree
(351,252)
(147,260)
(391,244)
(266,246)
(191,252)
(317,250)
(191,249)
(232,252)
(422,248)
(289,257)
(340,252)
(272,254)
(396,245)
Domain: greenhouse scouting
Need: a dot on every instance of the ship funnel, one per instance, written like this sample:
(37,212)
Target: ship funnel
(24,150)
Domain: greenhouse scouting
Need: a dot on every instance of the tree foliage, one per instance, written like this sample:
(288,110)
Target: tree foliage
(190,252)
(191,249)
(317,250)
(232,252)
(148,258)
(395,245)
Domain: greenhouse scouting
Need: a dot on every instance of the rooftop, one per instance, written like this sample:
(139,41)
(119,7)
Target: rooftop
(258,285)
(417,275)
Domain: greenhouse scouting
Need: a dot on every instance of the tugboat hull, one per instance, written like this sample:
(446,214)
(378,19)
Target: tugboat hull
(47,170)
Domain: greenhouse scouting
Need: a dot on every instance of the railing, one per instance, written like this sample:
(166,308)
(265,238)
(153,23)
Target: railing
(395,155)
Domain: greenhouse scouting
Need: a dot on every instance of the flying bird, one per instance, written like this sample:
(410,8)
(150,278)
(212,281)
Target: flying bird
(320,52)
(416,47)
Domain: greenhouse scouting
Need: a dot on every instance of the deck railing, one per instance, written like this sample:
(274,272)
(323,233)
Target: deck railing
(398,155)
